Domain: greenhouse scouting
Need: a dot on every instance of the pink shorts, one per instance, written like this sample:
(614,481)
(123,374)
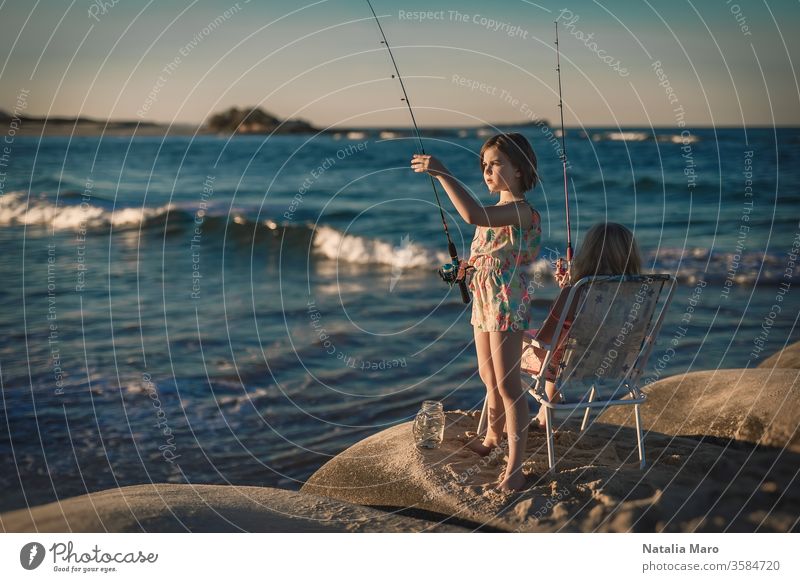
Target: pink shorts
(532,356)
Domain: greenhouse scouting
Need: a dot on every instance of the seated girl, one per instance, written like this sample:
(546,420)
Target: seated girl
(608,249)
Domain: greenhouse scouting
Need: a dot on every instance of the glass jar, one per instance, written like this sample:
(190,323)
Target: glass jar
(428,426)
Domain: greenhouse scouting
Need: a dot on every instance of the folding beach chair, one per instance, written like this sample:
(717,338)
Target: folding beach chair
(605,350)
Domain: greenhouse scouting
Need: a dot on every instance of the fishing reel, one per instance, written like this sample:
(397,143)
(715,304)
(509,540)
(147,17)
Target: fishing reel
(455,273)
(451,273)
(562,269)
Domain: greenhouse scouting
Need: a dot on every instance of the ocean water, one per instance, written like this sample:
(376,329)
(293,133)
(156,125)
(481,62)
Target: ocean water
(217,310)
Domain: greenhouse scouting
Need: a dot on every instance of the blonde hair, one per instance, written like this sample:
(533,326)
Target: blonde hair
(607,249)
(520,152)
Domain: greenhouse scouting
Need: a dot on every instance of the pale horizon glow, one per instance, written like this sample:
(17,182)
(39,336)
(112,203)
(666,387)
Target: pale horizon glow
(632,65)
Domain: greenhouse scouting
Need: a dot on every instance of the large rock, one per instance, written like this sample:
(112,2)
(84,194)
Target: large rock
(755,406)
(166,507)
(688,485)
(788,357)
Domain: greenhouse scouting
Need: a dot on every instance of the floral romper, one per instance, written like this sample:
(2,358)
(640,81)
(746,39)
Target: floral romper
(501,256)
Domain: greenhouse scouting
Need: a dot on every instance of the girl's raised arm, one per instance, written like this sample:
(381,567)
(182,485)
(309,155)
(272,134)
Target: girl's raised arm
(469,209)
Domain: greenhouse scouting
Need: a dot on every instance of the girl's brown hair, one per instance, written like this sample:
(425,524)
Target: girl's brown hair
(607,249)
(519,151)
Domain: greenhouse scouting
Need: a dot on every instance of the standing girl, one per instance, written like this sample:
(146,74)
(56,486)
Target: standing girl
(506,243)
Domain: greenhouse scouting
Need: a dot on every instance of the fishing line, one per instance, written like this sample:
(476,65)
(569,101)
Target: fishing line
(449,272)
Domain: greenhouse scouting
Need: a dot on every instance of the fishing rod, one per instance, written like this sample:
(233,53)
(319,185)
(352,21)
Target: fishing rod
(563,157)
(450,272)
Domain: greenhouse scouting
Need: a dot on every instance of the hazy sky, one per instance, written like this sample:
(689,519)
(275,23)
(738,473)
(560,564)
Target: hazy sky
(722,63)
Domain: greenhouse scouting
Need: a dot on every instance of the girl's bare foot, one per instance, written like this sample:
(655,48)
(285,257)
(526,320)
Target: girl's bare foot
(483,448)
(538,425)
(513,483)
(540,420)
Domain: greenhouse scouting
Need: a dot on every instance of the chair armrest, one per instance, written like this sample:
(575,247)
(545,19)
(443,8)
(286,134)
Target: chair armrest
(538,344)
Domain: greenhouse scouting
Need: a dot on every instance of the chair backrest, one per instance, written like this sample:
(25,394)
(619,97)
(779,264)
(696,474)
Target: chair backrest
(613,331)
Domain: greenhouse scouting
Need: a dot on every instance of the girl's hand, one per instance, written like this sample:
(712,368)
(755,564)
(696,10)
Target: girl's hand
(562,274)
(429,164)
(463,270)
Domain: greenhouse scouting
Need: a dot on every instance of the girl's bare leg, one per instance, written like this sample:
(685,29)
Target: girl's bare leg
(496,411)
(506,349)
(552,395)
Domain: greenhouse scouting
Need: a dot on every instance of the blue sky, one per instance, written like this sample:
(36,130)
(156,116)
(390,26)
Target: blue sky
(322,61)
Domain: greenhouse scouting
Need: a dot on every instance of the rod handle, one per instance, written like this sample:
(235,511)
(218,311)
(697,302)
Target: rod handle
(462,284)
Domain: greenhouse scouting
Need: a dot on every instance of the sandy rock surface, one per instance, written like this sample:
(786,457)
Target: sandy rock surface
(207,508)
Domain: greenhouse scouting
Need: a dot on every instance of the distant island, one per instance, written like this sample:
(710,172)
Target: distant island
(251,120)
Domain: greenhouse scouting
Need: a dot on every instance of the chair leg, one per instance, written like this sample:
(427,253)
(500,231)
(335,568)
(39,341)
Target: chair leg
(586,413)
(639,436)
(484,421)
(551,456)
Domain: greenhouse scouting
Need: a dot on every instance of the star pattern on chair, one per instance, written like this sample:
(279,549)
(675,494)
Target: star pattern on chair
(592,340)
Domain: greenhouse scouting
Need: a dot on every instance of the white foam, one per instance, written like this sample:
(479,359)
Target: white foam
(236,401)
(627,136)
(338,246)
(18,208)
(644,136)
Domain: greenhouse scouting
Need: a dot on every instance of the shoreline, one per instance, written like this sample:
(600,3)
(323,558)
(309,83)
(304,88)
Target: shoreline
(733,474)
